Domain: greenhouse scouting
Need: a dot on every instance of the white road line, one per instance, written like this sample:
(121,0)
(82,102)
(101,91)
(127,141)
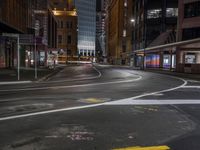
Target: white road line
(195,81)
(191,87)
(94,105)
(153,93)
(48,112)
(153,102)
(73,86)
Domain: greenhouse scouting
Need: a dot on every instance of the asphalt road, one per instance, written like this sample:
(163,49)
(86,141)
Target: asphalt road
(99,107)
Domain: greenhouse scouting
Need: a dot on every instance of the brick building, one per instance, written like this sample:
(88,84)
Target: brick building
(66,16)
(188,56)
(119,33)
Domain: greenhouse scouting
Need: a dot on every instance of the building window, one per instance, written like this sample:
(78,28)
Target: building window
(60,39)
(71,25)
(192,9)
(191,33)
(81,52)
(69,52)
(171,12)
(124,33)
(69,39)
(125,3)
(61,24)
(190,58)
(123,48)
(67,24)
(154,13)
(85,52)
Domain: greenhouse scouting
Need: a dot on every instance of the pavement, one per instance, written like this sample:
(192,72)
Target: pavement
(87,107)
(27,75)
(177,74)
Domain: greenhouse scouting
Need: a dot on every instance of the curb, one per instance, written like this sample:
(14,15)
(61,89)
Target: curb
(49,75)
(177,74)
(14,82)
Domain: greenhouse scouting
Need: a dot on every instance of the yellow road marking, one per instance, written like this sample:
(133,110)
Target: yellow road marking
(93,100)
(145,148)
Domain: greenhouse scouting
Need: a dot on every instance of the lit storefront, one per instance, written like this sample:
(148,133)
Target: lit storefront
(189,58)
(152,61)
(181,56)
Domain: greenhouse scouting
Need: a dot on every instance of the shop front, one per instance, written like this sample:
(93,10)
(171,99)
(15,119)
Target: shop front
(152,61)
(189,60)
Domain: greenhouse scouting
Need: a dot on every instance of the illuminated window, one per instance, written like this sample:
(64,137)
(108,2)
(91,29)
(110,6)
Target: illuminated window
(171,12)
(124,33)
(154,13)
(125,3)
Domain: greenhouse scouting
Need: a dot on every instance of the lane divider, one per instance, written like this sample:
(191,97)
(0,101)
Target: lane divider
(93,105)
(73,86)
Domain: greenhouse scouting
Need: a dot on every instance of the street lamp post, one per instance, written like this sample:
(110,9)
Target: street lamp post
(35,58)
(132,58)
(18,59)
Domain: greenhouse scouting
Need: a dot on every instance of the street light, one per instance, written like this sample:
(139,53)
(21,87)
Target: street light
(132,20)
(35,51)
(132,40)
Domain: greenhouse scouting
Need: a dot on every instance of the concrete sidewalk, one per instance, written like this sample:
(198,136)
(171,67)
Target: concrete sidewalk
(176,74)
(27,75)
(167,72)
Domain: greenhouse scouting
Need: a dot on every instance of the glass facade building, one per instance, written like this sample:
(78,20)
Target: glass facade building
(86,10)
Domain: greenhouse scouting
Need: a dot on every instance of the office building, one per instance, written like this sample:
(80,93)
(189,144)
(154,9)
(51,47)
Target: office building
(66,17)
(86,11)
(155,24)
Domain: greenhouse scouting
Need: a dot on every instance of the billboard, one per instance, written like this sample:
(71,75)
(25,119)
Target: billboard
(152,61)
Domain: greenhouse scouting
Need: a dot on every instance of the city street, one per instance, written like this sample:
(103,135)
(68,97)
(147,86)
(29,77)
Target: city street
(101,107)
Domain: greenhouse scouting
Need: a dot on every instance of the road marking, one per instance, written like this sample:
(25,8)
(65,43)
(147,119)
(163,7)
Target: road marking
(145,148)
(48,112)
(195,81)
(153,102)
(191,87)
(73,86)
(94,105)
(149,94)
(94,100)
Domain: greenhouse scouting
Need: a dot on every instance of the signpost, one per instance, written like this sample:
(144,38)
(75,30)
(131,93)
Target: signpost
(35,51)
